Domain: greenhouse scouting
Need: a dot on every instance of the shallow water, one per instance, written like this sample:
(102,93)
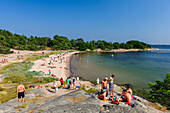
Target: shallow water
(136,68)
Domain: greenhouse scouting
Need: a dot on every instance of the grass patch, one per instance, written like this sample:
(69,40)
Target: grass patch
(72,51)
(91,90)
(1,89)
(76,99)
(2,71)
(162,108)
(22,106)
(30,101)
(41,110)
(35,57)
(10,94)
(18,73)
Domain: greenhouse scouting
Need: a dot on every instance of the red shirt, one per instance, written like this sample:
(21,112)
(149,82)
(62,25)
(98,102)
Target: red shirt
(61,80)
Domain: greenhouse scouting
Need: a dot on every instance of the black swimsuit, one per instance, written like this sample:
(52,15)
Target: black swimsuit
(21,94)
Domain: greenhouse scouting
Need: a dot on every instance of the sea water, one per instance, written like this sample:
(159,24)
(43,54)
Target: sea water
(136,68)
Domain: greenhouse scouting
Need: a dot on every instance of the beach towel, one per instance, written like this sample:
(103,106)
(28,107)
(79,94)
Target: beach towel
(128,103)
(77,87)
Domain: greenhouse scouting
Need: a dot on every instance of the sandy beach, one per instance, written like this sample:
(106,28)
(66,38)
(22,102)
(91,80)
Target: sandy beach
(61,68)
(12,58)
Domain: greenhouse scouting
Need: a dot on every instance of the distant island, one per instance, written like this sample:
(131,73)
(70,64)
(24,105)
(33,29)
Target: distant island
(21,42)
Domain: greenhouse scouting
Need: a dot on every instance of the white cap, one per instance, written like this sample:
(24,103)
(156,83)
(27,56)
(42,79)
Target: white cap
(106,78)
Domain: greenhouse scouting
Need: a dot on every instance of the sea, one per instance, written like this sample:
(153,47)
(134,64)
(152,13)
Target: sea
(135,68)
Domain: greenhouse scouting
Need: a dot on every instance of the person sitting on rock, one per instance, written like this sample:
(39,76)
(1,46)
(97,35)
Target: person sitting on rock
(102,95)
(129,90)
(126,97)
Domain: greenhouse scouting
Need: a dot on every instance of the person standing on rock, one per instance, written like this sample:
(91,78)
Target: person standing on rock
(20,92)
(61,81)
(67,81)
(97,81)
(74,83)
(111,85)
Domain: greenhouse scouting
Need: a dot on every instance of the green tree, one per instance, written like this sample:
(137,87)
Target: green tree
(160,92)
(116,45)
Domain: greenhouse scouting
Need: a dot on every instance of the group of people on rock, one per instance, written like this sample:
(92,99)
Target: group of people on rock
(70,83)
(125,96)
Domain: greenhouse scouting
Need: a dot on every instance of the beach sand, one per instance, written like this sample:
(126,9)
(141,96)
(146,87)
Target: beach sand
(12,58)
(61,68)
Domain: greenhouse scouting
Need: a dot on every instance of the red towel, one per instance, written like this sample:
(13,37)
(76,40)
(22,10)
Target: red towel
(128,103)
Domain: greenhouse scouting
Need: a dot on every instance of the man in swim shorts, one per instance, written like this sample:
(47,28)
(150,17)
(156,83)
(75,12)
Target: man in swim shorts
(20,92)
(104,84)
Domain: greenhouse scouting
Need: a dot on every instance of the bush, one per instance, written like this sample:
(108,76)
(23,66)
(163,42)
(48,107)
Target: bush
(160,92)
(1,89)
(5,50)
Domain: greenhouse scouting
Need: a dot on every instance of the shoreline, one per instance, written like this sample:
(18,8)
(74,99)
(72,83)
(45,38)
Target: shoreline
(127,50)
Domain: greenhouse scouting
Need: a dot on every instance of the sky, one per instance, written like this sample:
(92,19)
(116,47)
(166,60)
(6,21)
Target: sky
(110,20)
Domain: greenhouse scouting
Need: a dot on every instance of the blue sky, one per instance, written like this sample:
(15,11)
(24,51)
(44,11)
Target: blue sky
(110,20)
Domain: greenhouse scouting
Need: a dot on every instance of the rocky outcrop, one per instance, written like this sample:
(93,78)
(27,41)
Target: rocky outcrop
(73,101)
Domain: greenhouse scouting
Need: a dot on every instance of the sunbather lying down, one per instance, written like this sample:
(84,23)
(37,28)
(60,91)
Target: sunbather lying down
(43,64)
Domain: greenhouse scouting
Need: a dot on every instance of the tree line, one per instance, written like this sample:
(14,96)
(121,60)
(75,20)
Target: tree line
(21,42)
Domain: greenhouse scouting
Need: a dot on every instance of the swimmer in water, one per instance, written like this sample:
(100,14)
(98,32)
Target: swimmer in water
(101,61)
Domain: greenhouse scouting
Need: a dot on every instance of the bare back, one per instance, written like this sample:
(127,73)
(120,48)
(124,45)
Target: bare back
(104,83)
(128,97)
(20,88)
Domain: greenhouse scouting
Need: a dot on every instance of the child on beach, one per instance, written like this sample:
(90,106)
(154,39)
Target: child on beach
(55,85)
